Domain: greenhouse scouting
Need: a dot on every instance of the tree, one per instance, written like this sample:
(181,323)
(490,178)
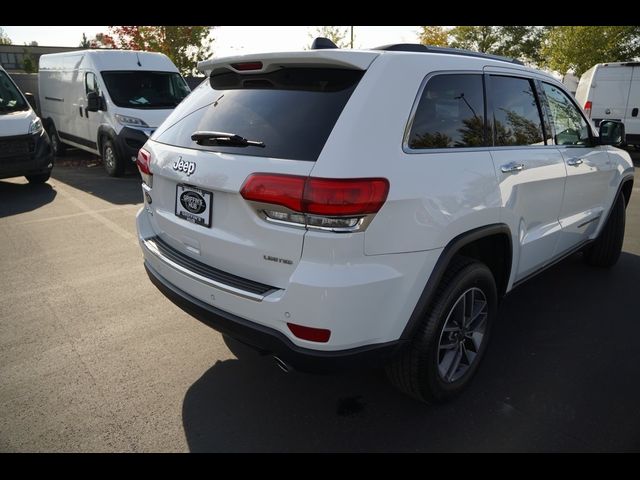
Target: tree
(338,35)
(4,40)
(480,39)
(85,43)
(433,35)
(578,48)
(184,45)
(515,41)
(102,40)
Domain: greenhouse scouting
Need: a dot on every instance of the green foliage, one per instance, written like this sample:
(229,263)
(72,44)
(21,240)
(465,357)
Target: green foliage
(578,48)
(85,43)
(433,35)
(515,41)
(4,40)
(184,45)
(480,39)
(341,36)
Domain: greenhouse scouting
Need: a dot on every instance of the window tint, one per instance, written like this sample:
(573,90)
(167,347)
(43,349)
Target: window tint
(450,113)
(516,117)
(145,89)
(91,85)
(291,110)
(570,127)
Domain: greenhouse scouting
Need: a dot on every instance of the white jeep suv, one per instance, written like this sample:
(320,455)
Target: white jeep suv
(337,208)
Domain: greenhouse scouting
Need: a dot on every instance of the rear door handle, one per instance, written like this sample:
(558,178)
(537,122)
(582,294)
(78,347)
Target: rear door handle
(80,109)
(512,167)
(574,162)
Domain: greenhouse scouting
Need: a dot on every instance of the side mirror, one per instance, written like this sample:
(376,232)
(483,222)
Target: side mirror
(612,133)
(32,101)
(93,101)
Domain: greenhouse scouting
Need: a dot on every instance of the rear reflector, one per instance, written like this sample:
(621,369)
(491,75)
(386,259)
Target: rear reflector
(318,196)
(587,108)
(143,161)
(320,335)
(247,66)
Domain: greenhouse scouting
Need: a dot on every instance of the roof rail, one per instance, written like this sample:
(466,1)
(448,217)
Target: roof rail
(417,47)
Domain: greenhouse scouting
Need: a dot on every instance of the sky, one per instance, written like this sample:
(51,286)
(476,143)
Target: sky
(229,40)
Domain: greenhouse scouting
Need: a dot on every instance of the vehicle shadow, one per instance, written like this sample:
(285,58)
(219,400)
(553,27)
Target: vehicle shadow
(560,375)
(95,181)
(16,198)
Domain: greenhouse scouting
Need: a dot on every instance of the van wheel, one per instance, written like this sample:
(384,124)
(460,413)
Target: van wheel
(444,355)
(112,163)
(58,148)
(605,251)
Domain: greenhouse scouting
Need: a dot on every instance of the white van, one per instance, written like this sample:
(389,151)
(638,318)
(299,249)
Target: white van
(107,102)
(611,91)
(24,145)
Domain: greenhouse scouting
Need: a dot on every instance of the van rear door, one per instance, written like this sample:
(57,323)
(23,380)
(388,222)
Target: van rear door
(610,91)
(632,116)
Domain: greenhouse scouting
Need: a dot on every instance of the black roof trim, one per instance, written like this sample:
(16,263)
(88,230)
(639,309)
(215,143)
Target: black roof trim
(320,43)
(416,47)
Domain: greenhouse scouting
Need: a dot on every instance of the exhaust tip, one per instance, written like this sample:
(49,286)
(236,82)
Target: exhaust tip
(282,365)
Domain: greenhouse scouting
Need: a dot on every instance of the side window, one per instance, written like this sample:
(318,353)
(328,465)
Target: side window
(90,83)
(516,114)
(450,113)
(570,127)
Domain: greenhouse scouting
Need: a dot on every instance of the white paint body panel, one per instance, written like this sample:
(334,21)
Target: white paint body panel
(364,286)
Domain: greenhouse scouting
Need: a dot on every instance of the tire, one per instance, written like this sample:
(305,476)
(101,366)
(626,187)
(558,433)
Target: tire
(112,162)
(39,178)
(421,369)
(59,149)
(605,251)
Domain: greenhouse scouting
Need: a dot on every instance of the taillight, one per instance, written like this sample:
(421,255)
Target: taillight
(325,203)
(144,165)
(340,197)
(587,108)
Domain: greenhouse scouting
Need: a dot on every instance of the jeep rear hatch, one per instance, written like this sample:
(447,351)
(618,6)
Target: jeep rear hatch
(277,117)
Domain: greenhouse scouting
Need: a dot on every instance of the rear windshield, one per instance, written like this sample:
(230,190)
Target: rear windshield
(142,89)
(292,111)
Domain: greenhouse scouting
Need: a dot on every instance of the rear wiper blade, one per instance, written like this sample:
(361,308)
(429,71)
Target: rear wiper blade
(224,139)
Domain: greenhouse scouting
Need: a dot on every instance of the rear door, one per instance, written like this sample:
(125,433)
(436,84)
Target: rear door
(292,111)
(609,93)
(530,171)
(632,116)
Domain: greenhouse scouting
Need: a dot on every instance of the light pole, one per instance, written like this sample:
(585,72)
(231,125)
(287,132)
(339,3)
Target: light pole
(352,37)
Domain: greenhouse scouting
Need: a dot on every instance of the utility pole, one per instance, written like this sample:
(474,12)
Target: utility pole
(352,37)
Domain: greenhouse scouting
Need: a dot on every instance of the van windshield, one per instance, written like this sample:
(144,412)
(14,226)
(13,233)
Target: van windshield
(11,100)
(147,90)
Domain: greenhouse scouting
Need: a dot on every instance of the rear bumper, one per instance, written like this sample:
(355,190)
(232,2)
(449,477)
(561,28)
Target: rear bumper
(38,158)
(270,341)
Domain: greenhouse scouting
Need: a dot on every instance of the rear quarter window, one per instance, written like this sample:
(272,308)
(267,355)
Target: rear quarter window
(292,111)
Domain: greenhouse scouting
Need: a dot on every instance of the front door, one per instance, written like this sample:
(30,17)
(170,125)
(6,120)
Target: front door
(90,120)
(530,171)
(589,170)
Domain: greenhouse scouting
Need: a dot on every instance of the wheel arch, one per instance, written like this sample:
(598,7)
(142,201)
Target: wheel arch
(491,244)
(105,131)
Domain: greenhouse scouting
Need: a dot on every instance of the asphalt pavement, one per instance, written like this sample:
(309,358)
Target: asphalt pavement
(94,358)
